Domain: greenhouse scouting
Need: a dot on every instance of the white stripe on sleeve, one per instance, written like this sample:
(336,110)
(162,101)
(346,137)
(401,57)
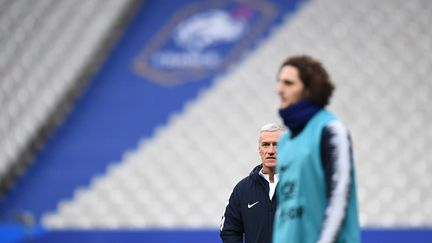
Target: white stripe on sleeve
(339,196)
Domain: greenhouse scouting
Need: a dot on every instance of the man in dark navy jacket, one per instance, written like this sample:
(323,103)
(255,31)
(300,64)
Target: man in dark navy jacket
(249,213)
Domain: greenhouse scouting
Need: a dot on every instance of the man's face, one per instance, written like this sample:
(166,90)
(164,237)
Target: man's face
(268,148)
(290,88)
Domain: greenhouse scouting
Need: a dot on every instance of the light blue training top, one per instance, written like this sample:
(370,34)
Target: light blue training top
(305,213)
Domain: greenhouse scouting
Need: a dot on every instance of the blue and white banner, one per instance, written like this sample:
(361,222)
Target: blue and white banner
(203,38)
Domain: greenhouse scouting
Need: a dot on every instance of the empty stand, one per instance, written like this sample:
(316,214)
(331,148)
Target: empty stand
(45,49)
(377,53)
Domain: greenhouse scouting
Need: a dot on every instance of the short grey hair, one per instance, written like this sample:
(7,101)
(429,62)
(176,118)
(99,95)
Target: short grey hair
(271,127)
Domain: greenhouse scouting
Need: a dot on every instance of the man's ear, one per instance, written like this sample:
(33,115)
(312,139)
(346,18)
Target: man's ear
(306,93)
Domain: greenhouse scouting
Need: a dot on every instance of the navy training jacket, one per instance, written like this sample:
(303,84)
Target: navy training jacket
(249,211)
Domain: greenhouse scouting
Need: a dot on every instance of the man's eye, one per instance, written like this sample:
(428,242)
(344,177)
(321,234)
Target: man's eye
(287,82)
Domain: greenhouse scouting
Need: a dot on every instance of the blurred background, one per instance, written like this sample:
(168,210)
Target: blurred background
(132,121)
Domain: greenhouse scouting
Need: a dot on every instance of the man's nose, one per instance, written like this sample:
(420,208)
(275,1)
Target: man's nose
(271,149)
(278,88)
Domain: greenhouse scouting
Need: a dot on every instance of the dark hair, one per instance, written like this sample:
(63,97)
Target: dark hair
(315,78)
